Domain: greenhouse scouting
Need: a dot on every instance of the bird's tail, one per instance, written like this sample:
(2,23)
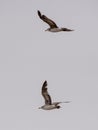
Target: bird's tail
(66,29)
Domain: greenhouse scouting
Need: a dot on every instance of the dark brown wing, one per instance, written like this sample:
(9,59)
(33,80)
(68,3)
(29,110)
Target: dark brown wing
(51,23)
(45,94)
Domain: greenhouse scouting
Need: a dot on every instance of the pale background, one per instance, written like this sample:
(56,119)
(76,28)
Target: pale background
(67,60)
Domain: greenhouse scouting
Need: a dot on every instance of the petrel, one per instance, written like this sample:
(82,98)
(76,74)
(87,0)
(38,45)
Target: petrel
(48,102)
(52,24)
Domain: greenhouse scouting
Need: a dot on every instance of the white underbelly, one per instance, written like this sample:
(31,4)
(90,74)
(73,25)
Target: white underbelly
(49,107)
(55,30)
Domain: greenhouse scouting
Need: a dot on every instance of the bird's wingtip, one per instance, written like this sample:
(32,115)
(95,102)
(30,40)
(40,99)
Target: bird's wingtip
(39,13)
(45,82)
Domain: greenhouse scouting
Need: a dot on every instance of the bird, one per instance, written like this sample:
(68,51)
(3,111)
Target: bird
(49,105)
(52,24)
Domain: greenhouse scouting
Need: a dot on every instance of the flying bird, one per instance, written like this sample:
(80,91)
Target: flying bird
(48,102)
(52,24)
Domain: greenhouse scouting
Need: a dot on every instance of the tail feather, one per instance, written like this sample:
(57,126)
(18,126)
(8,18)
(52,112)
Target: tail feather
(66,29)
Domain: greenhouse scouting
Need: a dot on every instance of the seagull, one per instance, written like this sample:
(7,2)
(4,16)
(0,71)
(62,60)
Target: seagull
(52,24)
(48,102)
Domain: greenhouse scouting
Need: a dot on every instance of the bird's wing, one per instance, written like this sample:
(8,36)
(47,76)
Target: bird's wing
(45,94)
(51,23)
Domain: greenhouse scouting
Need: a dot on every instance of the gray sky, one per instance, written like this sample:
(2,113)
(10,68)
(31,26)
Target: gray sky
(67,60)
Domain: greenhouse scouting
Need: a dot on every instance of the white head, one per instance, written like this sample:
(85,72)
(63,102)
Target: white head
(48,29)
(40,107)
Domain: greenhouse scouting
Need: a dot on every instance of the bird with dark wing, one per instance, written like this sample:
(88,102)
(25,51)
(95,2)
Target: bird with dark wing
(48,102)
(51,23)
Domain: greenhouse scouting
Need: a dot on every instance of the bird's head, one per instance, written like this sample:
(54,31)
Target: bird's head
(48,29)
(39,107)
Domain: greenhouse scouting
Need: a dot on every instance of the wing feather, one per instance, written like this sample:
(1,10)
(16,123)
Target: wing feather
(50,22)
(45,94)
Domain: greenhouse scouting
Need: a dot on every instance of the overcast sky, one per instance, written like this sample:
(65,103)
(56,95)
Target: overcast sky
(67,60)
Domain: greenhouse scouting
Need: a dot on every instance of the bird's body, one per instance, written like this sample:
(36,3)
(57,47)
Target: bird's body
(48,102)
(57,29)
(52,24)
(54,29)
(49,107)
